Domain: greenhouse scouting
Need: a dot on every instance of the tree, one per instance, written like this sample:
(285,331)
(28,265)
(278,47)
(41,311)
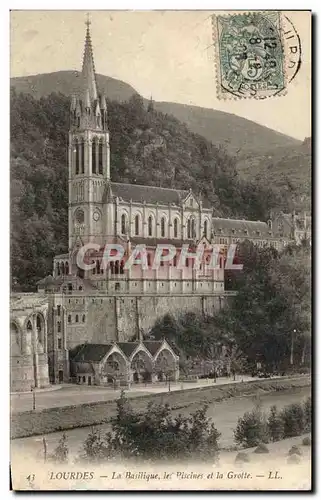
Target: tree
(60,454)
(273,299)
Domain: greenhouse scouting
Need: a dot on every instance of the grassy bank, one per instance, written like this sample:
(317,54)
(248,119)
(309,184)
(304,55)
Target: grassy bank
(31,423)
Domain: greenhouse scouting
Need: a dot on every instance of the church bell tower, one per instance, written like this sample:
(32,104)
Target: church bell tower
(88,156)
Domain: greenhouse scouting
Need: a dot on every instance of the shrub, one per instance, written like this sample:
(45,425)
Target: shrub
(307,408)
(261,448)
(275,425)
(293,420)
(154,435)
(295,450)
(294,459)
(61,452)
(96,447)
(251,429)
(306,441)
(242,457)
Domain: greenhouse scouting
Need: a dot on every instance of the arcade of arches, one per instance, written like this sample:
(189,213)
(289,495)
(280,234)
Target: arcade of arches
(124,362)
(29,359)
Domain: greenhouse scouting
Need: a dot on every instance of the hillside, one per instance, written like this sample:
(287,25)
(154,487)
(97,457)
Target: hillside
(68,82)
(290,169)
(231,131)
(147,147)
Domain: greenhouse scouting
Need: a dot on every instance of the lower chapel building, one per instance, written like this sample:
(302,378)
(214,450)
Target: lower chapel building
(87,326)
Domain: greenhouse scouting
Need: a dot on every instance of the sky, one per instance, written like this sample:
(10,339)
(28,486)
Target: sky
(166,54)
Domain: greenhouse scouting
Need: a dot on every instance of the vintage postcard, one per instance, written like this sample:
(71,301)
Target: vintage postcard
(161,232)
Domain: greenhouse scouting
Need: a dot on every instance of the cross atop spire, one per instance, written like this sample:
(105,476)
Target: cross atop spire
(88,66)
(88,21)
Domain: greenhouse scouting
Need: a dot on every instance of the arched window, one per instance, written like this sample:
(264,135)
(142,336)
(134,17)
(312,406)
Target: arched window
(82,154)
(69,318)
(123,224)
(83,318)
(270,224)
(59,327)
(66,268)
(98,266)
(80,216)
(149,260)
(62,265)
(58,269)
(175,260)
(150,226)
(77,318)
(193,228)
(163,227)
(137,225)
(77,151)
(175,228)
(93,156)
(205,228)
(100,157)
(189,228)
(121,269)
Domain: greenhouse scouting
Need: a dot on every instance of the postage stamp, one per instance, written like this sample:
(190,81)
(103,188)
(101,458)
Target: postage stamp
(249,55)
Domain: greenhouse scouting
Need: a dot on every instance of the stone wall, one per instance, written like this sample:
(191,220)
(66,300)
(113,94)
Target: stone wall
(121,317)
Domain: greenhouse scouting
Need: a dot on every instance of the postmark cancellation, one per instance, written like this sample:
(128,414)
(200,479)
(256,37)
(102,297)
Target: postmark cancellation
(251,55)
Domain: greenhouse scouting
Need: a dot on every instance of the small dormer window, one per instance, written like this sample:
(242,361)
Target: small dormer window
(191,202)
(258,232)
(233,231)
(246,231)
(270,224)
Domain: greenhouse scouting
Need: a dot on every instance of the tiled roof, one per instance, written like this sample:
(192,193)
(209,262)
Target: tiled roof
(92,352)
(149,194)
(128,347)
(240,227)
(152,346)
(96,352)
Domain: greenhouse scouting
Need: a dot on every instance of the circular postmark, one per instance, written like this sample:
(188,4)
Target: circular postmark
(292,49)
(259,54)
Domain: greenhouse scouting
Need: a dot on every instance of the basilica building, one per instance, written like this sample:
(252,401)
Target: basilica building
(90,325)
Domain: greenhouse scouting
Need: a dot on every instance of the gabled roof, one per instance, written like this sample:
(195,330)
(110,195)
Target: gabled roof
(96,352)
(149,194)
(152,345)
(128,347)
(92,352)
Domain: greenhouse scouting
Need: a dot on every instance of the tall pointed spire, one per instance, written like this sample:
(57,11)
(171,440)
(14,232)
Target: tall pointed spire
(88,67)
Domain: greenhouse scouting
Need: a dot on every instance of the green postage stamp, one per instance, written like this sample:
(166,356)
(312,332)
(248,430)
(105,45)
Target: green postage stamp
(249,55)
